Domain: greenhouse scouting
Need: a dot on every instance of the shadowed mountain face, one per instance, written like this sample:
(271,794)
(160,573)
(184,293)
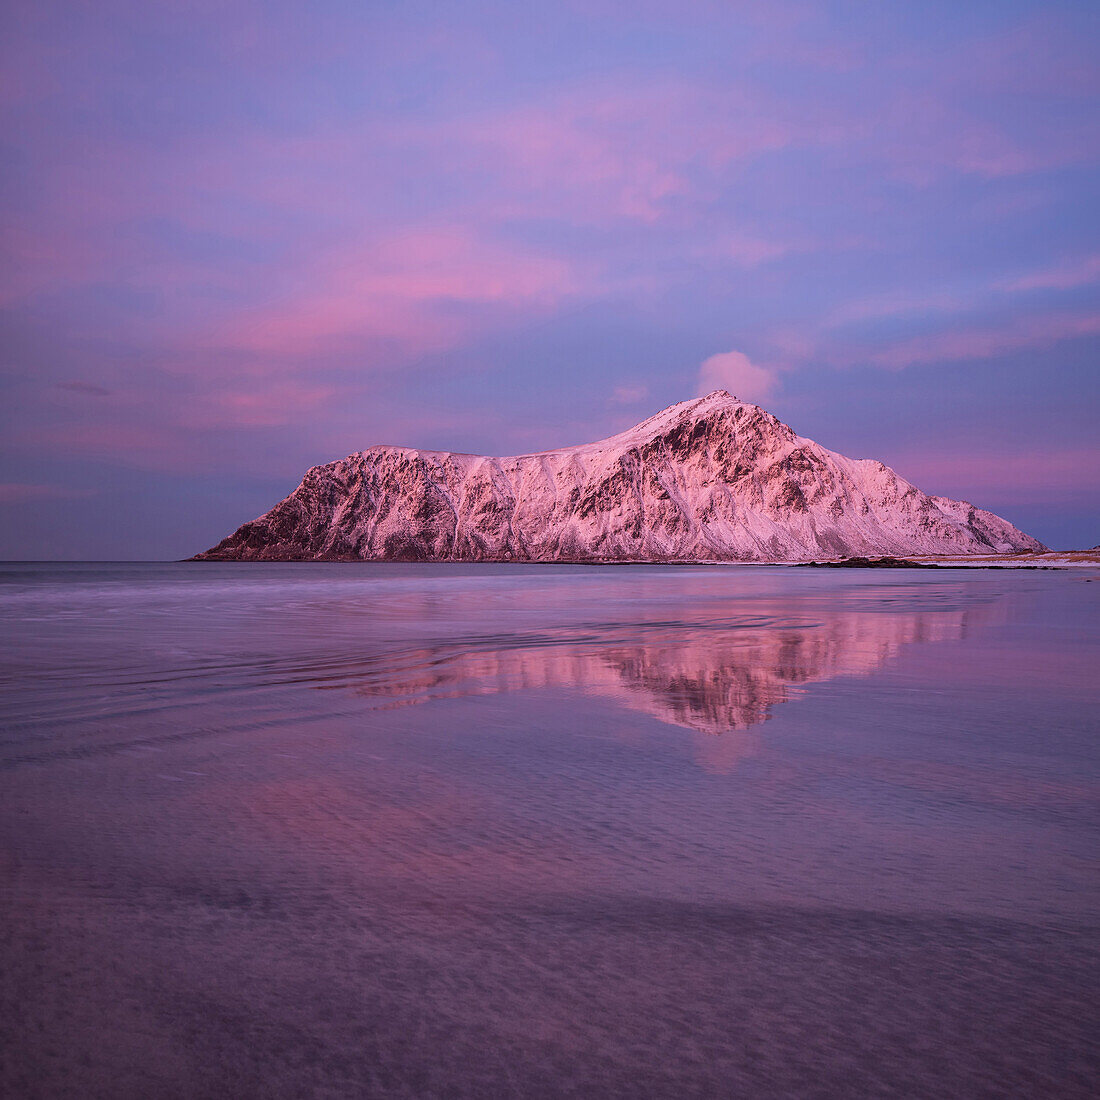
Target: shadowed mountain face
(713,479)
(713,680)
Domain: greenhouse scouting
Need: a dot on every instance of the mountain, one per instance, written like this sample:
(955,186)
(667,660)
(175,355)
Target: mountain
(713,479)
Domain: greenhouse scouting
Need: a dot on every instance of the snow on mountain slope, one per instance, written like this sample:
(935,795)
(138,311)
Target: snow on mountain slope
(713,479)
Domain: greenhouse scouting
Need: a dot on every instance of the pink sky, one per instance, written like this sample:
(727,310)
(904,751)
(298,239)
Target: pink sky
(239,244)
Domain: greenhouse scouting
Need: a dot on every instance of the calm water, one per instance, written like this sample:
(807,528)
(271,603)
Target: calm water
(313,830)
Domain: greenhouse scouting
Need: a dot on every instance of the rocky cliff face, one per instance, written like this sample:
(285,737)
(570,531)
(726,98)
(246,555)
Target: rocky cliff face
(714,479)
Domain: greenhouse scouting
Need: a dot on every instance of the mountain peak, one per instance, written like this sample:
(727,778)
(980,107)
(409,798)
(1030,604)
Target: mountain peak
(711,478)
(699,406)
(695,408)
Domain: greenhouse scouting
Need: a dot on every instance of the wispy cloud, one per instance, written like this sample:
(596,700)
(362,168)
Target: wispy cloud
(629,395)
(417,290)
(1000,474)
(86,389)
(985,341)
(1083,271)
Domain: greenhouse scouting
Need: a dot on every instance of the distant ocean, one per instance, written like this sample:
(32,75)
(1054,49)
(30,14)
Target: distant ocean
(425,830)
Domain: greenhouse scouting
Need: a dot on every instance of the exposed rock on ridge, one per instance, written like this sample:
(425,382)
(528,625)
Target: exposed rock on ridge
(704,480)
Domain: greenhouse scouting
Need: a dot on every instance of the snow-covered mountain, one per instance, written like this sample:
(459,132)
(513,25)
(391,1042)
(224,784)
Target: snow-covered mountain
(713,479)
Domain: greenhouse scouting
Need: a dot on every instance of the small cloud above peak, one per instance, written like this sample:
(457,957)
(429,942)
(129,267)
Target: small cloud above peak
(733,372)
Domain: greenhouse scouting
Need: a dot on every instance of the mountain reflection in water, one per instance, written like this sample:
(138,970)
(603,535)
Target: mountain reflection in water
(709,650)
(705,677)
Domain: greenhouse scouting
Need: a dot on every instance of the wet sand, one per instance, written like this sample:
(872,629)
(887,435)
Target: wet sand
(461,831)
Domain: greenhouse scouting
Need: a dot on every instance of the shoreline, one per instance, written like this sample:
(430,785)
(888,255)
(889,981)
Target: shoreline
(1051,560)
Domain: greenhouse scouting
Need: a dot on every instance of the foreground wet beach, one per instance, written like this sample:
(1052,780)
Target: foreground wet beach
(290,830)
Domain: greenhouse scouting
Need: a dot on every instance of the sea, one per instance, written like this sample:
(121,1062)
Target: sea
(411,830)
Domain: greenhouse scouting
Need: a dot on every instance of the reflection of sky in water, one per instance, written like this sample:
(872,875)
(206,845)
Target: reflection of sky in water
(533,821)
